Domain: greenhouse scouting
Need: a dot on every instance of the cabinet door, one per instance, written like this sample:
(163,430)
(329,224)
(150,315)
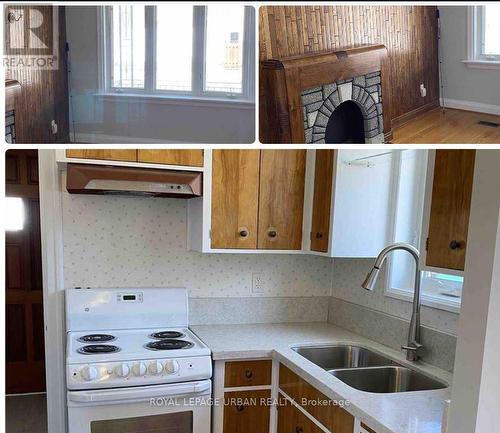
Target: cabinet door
(190,157)
(235,197)
(322,200)
(292,420)
(281,199)
(246,412)
(450,208)
(107,154)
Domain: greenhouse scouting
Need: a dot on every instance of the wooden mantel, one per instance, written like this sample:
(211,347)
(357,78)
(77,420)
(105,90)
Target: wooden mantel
(283,80)
(12,89)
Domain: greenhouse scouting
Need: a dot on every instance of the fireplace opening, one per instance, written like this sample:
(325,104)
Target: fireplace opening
(346,125)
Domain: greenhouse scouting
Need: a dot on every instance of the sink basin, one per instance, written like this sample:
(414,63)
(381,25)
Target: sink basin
(335,357)
(387,379)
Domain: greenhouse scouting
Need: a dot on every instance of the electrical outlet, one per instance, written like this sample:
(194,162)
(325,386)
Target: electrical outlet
(423,91)
(53,126)
(257,283)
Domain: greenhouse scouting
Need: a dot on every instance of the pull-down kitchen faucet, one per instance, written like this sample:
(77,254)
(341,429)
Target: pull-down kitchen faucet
(413,346)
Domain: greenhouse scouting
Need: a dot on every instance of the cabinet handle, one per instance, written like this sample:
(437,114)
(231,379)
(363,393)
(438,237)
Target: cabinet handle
(248,374)
(272,233)
(319,235)
(243,233)
(298,429)
(455,245)
(239,408)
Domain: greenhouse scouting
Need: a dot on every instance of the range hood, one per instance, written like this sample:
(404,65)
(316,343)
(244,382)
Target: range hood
(104,179)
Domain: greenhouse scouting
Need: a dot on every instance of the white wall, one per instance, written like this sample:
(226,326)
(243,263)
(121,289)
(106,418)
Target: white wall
(462,83)
(100,119)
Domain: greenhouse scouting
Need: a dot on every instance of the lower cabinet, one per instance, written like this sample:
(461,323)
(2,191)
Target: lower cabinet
(247,411)
(292,420)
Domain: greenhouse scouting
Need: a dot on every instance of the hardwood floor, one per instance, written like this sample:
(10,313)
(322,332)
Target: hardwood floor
(26,413)
(449,126)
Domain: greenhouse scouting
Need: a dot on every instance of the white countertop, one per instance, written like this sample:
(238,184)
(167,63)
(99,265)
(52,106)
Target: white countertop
(408,412)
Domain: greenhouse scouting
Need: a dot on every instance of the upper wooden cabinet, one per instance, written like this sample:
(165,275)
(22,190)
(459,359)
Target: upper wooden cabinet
(281,199)
(450,202)
(191,157)
(235,198)
(107,154)
(322,200)
(257,199)
(186,157)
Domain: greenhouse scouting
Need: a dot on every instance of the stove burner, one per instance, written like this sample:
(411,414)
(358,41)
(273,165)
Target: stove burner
(96,338)
(96,349)
(167,334)
(168,345)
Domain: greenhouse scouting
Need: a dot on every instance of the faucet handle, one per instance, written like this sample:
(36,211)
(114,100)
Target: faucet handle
(413,348)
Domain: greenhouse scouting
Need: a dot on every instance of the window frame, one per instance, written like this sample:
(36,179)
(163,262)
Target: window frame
(441,303)
(475,57)
(198,76)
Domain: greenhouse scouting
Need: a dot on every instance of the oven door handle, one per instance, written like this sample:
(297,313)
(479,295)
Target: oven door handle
(138,393)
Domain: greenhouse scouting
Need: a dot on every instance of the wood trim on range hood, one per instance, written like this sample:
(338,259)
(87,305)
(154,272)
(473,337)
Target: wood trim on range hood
(103,179)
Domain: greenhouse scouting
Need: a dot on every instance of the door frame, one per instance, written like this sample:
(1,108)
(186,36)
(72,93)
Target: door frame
(51,230)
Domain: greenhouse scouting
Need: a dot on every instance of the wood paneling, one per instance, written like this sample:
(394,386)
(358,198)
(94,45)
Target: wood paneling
(44,94)
(191,157)
(322,200)
(235,198)
(448,126)
(450,208)
(334,418)
(107,154)
(23,297)
(281,199)
(241,415)
(292,420)
(408,32)
(247,373)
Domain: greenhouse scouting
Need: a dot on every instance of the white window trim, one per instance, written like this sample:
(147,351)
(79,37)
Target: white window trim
(401,294)
(474,59)
(197,95)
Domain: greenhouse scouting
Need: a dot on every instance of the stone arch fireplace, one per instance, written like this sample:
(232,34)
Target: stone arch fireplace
(320,105)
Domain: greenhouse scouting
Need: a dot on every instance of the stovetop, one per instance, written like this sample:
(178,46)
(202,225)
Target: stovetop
(132,344)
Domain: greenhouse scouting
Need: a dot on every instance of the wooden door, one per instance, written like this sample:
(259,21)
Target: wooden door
(322,200)
(44,92)
(281,199)
(246,411)
(190,157)
(292,420)
(235,197)
(24,369)
(450,208)
(107,154)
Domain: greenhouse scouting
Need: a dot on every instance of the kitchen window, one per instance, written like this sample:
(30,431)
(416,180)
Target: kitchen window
(483,47)
(440,290)
(178,51)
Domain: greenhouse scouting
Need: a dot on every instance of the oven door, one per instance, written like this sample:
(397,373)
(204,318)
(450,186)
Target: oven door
(175,408)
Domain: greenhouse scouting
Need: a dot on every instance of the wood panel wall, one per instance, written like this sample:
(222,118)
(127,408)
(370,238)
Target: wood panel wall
(408,32)
(44,93)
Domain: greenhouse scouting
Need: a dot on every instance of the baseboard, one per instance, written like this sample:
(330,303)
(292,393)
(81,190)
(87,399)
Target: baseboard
(471,106)
(405,118)
(84,138)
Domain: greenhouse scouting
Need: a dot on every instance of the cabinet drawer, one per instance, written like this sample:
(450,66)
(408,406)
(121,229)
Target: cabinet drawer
(334,418)
(247,411)
(292,420)
(364,429)
(247,373)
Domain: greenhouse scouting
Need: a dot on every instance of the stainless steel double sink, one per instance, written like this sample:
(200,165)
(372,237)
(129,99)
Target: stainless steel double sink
(366,370)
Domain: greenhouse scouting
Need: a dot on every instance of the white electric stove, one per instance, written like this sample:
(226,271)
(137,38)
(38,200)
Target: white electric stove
(127,348)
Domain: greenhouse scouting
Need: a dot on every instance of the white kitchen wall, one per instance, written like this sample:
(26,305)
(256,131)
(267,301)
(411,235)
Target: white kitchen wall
(99,119)
(130,241)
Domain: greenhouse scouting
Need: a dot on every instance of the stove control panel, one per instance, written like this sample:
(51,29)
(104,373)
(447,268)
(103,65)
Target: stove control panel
(138,372)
